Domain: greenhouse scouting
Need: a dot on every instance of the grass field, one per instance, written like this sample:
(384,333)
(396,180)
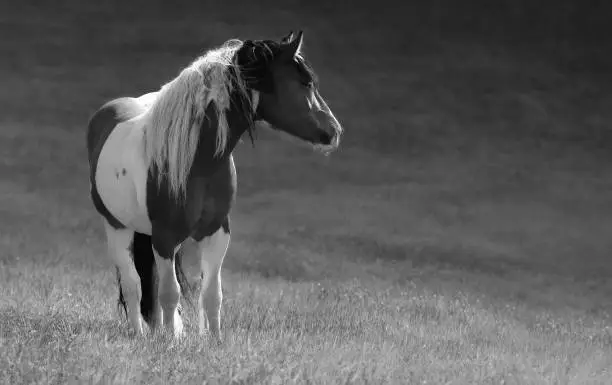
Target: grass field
(460,236)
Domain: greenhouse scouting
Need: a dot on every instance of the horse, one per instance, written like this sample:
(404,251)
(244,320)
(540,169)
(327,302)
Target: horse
(162,169)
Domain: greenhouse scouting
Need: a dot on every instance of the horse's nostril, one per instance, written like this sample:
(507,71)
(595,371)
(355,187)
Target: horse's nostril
(326,138)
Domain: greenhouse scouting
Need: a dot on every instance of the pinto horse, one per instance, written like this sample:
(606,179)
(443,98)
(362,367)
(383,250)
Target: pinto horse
(161,168)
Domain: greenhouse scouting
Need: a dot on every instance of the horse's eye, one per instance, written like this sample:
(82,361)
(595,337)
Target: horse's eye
(308,83)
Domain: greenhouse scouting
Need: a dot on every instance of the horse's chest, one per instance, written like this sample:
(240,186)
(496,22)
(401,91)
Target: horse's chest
(206,206)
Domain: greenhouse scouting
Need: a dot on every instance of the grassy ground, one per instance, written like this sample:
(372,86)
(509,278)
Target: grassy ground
(461,236)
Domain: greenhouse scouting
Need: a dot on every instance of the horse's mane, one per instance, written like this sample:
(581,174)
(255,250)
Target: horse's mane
(175,118)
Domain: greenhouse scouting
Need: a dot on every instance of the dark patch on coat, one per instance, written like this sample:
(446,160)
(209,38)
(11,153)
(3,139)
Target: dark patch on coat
(100,126)
(226,226)
(144,261)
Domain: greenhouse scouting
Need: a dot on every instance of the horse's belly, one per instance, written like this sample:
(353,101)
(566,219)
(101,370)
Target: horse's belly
(121,178)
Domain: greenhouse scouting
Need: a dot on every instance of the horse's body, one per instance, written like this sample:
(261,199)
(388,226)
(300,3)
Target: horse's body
(119,172)
(124,187)
(162,171)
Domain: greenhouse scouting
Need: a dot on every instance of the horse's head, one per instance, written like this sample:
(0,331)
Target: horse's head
(288,96)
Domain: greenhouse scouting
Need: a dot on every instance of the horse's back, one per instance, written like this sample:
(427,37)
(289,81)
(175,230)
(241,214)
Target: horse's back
(100,127)
(106,119)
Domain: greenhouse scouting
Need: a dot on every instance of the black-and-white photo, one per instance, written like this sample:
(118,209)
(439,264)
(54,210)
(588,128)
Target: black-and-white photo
(306,192)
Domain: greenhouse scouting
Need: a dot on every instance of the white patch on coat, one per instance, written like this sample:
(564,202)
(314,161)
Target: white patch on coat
(148,99)
(255,100)
(125,193)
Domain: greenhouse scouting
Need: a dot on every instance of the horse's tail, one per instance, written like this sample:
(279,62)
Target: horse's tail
(144,261)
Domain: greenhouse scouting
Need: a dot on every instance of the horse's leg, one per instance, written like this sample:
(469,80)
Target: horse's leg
(212,251)
(168,290)
(118,242)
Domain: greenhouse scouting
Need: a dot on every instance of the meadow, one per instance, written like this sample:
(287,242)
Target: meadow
(460,236)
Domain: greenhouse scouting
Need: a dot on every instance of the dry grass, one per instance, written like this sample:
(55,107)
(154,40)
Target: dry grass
(461,236)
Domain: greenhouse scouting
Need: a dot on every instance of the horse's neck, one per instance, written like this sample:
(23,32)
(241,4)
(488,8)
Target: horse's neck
(205,162)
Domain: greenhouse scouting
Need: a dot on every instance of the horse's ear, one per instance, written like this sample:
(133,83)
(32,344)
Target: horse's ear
(287,39)
(291,48)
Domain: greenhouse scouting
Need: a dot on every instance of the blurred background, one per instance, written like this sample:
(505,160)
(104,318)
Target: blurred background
(475,62)
(477,132)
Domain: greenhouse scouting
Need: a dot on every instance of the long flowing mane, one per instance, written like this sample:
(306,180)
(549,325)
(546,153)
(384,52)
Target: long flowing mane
(175,119)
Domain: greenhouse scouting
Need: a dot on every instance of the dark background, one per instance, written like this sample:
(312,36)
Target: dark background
(389,39)
(448,106)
